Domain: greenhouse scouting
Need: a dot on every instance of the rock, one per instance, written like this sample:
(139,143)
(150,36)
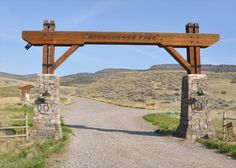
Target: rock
(47,122)
(194,119)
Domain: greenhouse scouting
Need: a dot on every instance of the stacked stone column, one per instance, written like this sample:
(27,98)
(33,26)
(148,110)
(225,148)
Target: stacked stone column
(194,118)
(47,112)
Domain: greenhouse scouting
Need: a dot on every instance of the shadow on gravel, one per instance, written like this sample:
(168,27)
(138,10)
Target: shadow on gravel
(143,133)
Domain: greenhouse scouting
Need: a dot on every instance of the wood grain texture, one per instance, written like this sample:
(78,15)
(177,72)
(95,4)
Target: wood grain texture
(191,40)
(59,38)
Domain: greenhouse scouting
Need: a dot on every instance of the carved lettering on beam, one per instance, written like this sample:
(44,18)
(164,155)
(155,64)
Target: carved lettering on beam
(180,40)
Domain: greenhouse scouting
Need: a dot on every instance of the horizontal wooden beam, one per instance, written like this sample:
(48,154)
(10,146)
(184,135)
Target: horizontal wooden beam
(60,38)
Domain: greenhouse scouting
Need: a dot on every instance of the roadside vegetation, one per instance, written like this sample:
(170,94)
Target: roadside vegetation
(22,153)
(223,146)
(66,101)
(9,91)
(167,124)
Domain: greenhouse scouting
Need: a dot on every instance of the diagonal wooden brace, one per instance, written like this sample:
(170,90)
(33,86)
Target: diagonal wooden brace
(178,57)
(65,56)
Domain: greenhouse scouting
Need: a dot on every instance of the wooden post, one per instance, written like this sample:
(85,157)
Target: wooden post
(45,50)
(26,124)
(190,50)
(223,126)
(197,51)
(51,49)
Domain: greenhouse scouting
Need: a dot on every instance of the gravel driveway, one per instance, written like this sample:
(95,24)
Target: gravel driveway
(108,136)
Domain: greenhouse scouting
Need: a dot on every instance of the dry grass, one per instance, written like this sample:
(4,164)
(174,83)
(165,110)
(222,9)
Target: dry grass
(159,90)
(162,90)
(67,90)
(145,89)
(66,101)
(8,82)
(8,101)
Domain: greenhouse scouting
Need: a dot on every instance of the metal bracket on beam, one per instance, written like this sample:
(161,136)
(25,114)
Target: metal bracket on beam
(47,65)
(196,66)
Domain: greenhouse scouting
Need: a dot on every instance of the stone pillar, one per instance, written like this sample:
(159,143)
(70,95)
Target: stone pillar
(47,122)
(194,118)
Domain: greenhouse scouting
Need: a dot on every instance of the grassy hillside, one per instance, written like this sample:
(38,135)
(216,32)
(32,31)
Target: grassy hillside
(145,89)
(87,78)
(155,88)
(30,78)
(206,67)
(158,89)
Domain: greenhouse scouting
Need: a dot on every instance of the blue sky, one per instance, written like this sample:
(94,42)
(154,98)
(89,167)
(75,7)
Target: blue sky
(214,16)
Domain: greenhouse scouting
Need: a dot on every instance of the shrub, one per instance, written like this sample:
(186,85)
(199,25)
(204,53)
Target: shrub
(233,81)
(223,92)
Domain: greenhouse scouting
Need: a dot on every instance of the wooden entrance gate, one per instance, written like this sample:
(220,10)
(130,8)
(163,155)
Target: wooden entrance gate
(192,40)
(193,84)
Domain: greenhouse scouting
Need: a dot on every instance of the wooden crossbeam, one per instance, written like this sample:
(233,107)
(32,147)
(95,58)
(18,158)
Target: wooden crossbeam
(59,38)
(192,40)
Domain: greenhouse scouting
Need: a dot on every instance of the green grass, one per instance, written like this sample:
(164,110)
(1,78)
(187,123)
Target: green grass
(9,91)
(29,153)
(66,101)
(167,122)
(33,153)
(224,147)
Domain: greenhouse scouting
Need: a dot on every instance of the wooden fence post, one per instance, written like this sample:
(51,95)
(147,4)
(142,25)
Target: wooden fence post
(223,126)
(26,124)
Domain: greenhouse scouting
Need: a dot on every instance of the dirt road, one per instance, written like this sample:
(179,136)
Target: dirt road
(108,136)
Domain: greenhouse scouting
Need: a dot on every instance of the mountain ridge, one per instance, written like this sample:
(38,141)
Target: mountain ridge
(86,78)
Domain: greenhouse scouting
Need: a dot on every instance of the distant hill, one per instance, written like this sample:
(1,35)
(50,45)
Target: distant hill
(166,67)
(30,78)
(79,78)
(87,78)
(206,67)
(219,68)
(112,70)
